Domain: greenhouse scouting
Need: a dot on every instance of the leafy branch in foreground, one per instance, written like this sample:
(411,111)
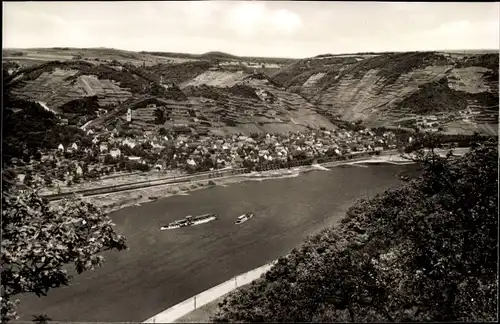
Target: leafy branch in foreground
(426,251)
(38,240)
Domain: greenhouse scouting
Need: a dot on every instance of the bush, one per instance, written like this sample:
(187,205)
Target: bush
(51,239)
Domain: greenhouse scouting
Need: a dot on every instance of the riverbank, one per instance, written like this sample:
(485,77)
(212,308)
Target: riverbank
(135,197)
(138,196)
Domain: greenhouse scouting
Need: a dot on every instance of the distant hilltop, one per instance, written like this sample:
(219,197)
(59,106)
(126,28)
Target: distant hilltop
(216,54)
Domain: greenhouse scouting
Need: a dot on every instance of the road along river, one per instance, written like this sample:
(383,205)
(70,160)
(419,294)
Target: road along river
(162,268)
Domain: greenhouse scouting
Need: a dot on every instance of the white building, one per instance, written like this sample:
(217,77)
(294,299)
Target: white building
(60,148)
(129,115)
(103,147)
(129,143)
(115,153)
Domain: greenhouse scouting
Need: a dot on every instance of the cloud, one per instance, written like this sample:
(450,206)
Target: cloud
(274,28)
(454,28)
(255,18)
(286,21)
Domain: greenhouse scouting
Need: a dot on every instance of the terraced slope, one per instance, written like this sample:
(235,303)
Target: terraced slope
(384,89)
(216,78)
(57,83)
(55,89)
(250,103)
(250,106)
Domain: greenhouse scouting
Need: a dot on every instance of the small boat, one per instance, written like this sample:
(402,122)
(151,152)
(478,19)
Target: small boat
(190,221)
(243,218)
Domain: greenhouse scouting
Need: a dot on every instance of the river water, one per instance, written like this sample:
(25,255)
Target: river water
(163,268)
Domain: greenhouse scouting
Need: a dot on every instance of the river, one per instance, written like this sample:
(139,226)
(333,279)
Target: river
(162,268)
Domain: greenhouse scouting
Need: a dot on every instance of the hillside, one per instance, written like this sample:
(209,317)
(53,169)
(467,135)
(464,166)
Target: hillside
(386,89)
(453,92)
(224,98)
(240,105)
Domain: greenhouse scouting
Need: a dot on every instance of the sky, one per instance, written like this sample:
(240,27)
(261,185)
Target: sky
(294,29)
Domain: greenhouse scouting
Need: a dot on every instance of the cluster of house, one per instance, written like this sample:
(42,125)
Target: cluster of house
(429,123)
(195,153)
(236,150)
(467,115)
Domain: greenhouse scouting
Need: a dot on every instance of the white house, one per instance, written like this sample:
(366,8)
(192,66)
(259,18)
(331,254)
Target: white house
(129,143)
(79,170)
(74,147)
(103,147)
(116,152)
(60,148)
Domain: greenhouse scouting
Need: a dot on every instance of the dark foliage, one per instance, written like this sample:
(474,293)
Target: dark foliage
(39,241)
(489,61)
(243,91)
(172,92)
(84,106)
(176,73)
(205,91)
(32,129)
(160,118)
(438,97)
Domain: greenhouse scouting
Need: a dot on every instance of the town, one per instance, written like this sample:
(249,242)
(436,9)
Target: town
(115,152)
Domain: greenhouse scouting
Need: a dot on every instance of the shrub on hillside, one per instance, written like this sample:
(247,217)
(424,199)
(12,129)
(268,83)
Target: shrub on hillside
(426,251)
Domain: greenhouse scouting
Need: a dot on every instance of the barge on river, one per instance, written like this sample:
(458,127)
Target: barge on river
(190,221)
(243,218)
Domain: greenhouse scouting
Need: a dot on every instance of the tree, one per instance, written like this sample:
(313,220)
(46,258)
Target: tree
(37,156)
(48,181)
(38,240)
(26,159)
(425,251)
(76,178)
(162,131)
(108,159)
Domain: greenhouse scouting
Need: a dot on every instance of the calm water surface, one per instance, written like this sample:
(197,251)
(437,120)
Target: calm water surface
(162,268)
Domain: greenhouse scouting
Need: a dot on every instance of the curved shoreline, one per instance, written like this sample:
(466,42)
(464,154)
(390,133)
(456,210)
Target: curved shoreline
(112,202)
